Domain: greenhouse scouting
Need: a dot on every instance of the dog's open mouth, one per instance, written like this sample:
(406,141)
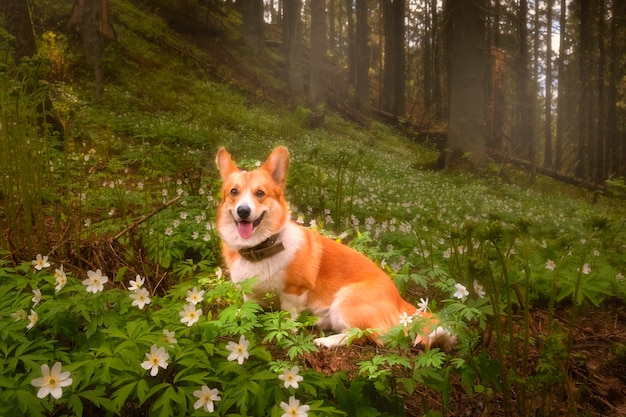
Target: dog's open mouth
(246,229)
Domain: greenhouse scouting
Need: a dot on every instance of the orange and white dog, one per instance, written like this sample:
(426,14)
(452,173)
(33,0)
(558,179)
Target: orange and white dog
(303,269)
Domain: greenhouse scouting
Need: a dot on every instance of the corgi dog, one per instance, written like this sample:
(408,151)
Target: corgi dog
(302,268)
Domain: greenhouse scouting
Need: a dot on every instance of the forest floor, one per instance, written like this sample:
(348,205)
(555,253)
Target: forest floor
(597,376)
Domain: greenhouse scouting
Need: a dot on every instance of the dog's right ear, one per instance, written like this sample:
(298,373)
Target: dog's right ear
(225,163)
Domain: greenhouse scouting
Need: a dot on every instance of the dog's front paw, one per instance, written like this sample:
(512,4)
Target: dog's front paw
(332,340)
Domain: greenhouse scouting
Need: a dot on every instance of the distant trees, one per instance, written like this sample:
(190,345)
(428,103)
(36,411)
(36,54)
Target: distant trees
(547,84)
(466,33)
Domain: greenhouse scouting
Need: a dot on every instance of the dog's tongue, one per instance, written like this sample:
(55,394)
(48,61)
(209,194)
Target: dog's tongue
(245,229)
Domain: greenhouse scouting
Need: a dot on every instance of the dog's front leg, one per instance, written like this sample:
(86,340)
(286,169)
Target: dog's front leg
(294,303)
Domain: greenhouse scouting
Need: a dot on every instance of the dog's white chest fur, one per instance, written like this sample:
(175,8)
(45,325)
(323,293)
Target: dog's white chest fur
(270,272)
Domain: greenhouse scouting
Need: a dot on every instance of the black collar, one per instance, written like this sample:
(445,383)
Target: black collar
(263,250)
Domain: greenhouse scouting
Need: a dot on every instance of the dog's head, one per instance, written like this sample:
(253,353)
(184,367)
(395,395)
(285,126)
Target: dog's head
(253,205)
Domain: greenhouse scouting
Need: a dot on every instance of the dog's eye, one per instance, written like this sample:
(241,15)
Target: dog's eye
(260,194)
(234,192)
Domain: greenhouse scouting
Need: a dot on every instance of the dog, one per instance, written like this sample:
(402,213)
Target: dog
(303,269)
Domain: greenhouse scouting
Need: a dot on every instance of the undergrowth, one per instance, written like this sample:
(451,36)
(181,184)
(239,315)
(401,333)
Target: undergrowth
(130,194)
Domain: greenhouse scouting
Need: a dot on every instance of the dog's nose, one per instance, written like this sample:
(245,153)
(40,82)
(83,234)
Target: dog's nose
(243,212)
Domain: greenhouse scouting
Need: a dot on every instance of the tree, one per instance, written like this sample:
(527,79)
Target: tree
(561,98)
(362,57)
(465,33)
(394,79)
(547,157)
(19,25)
(91,17)
(523,133)
(317,72)
(292,41)
(252,27)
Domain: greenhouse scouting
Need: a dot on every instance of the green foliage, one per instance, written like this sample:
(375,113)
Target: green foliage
(134,191)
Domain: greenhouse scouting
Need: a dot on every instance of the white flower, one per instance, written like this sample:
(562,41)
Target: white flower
(41,262)
(32,319)
(461,291)
(478,289)
(405,319)
(294,409)
(206,398)
(194,296)
(36,297)
(239,351)
(157,357)
(190,315)
(52,381)
(550,265)
(60,278)
(137,283)
(291,377)
(19,315)
(169,336)
(219,272)
(422,306)
(95,281)
(141,297)
(586,269)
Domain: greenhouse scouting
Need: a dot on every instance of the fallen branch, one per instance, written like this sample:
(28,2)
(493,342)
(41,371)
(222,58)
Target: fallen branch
(146,217)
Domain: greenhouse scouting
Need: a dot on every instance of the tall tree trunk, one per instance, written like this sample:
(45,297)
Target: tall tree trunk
(19,24)
(465,30)
(600,136)
(496,83)
(352,42)
(292,35)
(523,137)
(561,103)
(362,57)
(616,140)
(583,169)
(252,25)
(317,80)
(440,100)
(91,17)
(427,61)
(394,78)
(547,153)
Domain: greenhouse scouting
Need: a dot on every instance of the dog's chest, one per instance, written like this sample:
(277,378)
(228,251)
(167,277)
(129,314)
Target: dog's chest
(271,272)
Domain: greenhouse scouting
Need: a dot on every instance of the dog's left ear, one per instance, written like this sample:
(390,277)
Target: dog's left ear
(277,165)
(225,163)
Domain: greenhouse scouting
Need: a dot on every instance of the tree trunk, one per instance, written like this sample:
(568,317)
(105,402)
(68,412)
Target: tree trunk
(561,103)
(465,29)
(616,142)
(583,168)
(362,57)
(394,78)
(293,43)
(252,25)
(91,17)
(523,137)
(352,43)
(19,24)
(547,153)
(317,86)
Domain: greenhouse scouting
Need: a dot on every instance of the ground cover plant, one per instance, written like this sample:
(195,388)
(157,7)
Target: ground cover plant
(113,300)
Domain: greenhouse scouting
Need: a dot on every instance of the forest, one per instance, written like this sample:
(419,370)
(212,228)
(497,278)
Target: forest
(473,149)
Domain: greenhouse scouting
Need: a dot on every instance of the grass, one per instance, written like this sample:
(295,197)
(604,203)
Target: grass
(134,191)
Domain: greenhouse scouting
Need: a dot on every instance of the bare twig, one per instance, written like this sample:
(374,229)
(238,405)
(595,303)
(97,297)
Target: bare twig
(146,217)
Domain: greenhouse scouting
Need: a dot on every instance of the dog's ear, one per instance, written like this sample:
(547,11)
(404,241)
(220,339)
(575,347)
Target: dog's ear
(277,165)
(225,163)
